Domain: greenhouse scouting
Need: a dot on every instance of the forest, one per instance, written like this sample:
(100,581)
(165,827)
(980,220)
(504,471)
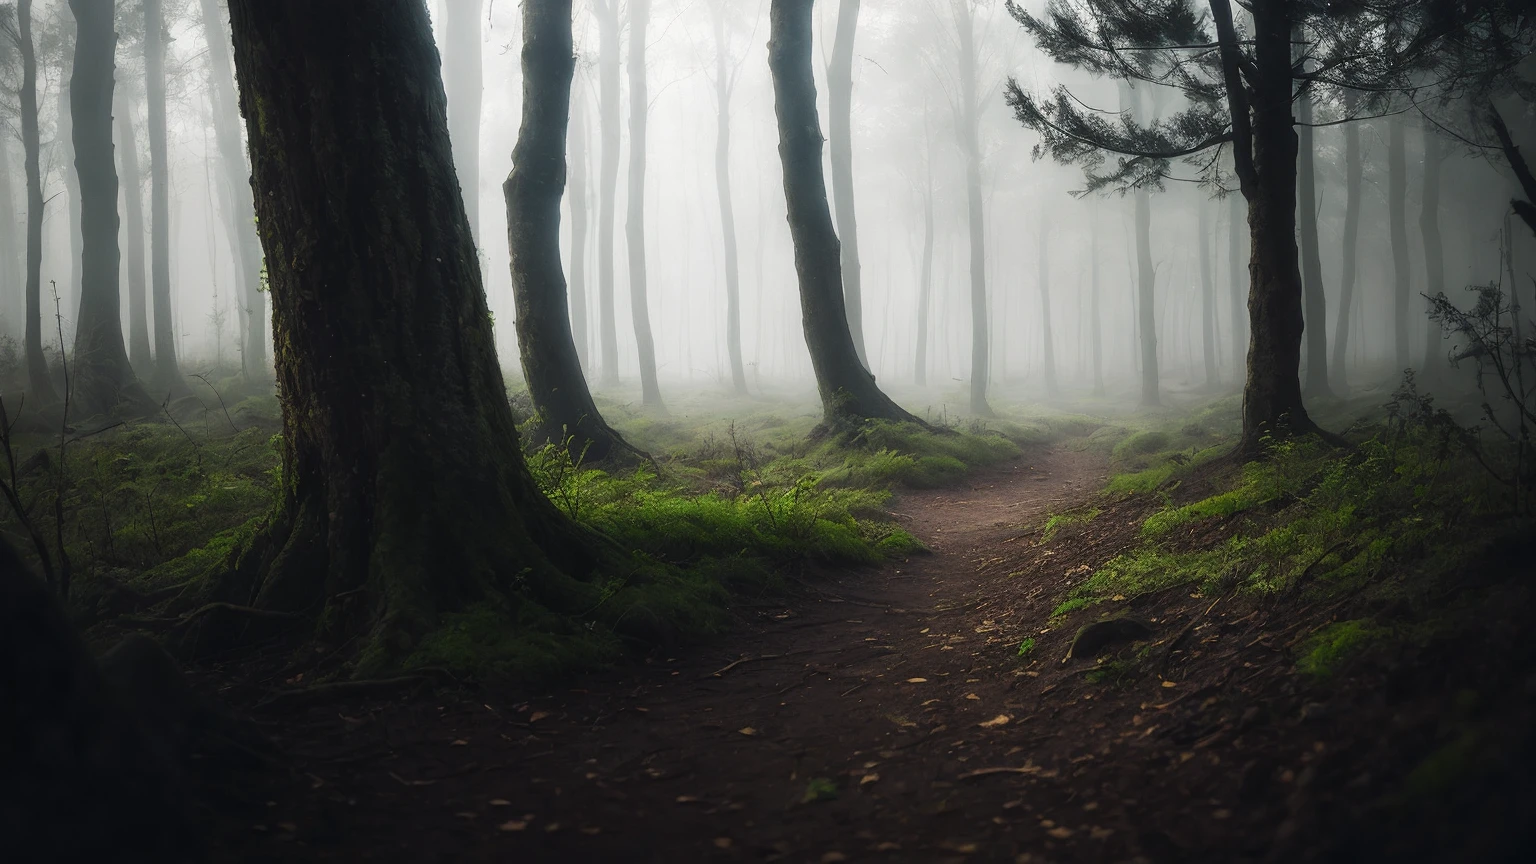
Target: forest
(767,430)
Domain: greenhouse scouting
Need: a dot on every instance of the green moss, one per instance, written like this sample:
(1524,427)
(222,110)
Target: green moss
(1069,519)
(1329,647)
(1027,646)
(1141,444)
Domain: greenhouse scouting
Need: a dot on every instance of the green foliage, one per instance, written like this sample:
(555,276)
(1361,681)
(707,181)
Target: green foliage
(1027,646)
(1329,647)
(819,789)
(1069,519)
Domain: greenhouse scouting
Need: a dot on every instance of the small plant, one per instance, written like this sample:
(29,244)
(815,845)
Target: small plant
(1027,646)
(819,789)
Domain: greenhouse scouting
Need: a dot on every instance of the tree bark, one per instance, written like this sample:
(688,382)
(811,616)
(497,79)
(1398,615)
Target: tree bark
(462,77)
(968,125)
(1353,177)
(848,391)
(1315,299)
(724,84)
(103,379)
(405,495)
(133,196)
(1045,307)
(235,192)
(1207,298)
(1434,248)
(567,414)
(840,137)
(10,255)
(1397,217)
(39,385)
(607,12)
(634,225)
(1146,279)
(167,378)
(580,219)
(1238,214)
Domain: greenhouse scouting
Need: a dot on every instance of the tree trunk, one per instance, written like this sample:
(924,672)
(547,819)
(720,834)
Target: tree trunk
(10,255)
(925,287)
(1045,307)
(1095,322)
(167,377)
(970,144)
(848,391)
(634,225)
(1353,175)
(64,139)
(235,192)
(607,12)
(133,196)
(1207,298)
(462,78)
(1146,278)
(580,220)
(103,379)
(551,365)
(724,84)
(1434,249)
(840,137)
(1397,216)
(1316,301)
(404,495)
(39,385)
(1238,214)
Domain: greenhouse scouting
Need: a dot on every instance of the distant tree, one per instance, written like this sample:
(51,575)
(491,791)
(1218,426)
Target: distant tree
(566,412)
(1397,222)
(1207,296)
(103,378)
(38,383)
(64,146)
(405,495)
(167,378)
(1433,245)
(580,223)
(10,252)
(1350,240)
(1043,261)
(1131,102)
(634,224)
(462,76)
(139,352)
(608,66)
(925,274)
(840,137)
(1314,300)
(727,72)
(848,391)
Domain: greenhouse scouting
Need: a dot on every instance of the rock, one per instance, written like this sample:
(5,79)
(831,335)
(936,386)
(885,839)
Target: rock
(1314,711)
(1094,638)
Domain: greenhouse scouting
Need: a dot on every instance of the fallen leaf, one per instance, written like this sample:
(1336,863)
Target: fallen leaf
(1060,833)
(747,730)
(686,799)
(722,842)
(973,697)
(459,742)
(537,716)
(1170,684)
(999,720)
(514,825)
(868,778)
(888,847)
(916,681)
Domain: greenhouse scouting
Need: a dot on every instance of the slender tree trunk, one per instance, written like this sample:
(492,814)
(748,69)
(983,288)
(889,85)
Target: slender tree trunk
(634,225)
(405,496)
(1207,298)
(39,386)
(848,391)
(925,286)
(1434,248)
(579,224)
(968,124)
(1238,214)
(1045,307)
(64,139)
(840,138)
(10,255)
(1146,278)
(167,377)
(607,12)
(1397,216)
(1095,320)
(551,365)
(1314,297)
(235,192)
(724,84)
(103,379)
(1353,175)
(462,78)
(133,196)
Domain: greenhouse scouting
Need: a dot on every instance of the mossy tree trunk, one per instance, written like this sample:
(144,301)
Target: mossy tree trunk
(405,494)
(533,192)
(848,391)
(139,353)
(38,383)
(167,378)
(103,378)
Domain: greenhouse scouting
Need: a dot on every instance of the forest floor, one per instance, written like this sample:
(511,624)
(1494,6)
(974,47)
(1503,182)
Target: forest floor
(921,711)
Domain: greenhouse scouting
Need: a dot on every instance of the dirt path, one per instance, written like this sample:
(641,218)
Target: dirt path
(868,720)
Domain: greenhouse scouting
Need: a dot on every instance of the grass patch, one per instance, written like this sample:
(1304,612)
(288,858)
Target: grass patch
(1069,519)
(1331,646)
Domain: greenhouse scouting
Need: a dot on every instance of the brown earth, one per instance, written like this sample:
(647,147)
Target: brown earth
(886,715)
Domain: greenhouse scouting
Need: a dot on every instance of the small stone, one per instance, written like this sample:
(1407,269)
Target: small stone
(1093,638)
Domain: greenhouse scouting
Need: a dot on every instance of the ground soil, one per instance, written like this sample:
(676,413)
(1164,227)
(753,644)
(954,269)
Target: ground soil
(882,714)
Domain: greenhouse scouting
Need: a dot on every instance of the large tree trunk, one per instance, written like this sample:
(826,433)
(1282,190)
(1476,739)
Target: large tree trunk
(848,391)
(1207,298)
(462,78)
(39,386)
(235,191)
(607,12)
(133,196)
(1353,175)
(167,378)
(580,219)
(925,286)
(634,224)
(551,366)
(840,137)
(1237,213)
(968,125)
(724,84)
(405,494)
(1315,300)
(103,379)
(1434,248)
(1044,262)
(1397,217)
